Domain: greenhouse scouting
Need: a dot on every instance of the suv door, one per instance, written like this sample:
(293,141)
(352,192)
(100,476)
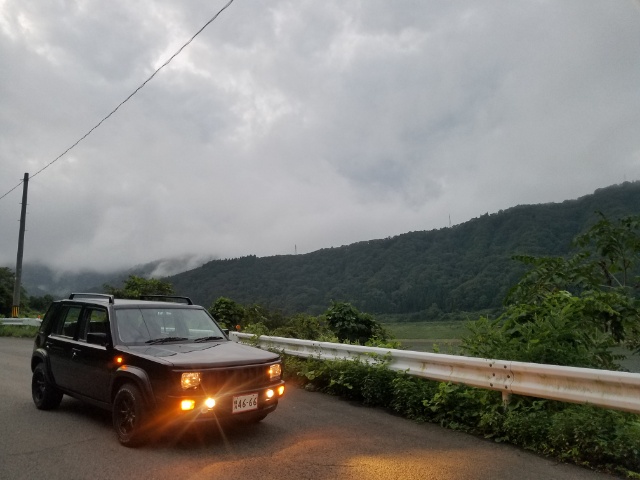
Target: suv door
(92,363)
(60,343)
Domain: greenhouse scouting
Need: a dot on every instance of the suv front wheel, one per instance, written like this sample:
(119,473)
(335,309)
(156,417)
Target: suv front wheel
(45,395)
(129,416)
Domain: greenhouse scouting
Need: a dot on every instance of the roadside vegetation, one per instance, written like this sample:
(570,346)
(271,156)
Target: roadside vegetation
(18,331)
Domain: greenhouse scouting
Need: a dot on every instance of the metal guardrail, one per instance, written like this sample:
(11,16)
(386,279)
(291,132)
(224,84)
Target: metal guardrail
(604,388)
(21,322)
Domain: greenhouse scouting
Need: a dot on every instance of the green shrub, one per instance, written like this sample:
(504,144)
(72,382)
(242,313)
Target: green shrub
(595,437)
(409,395)
(306,327)
(554,331)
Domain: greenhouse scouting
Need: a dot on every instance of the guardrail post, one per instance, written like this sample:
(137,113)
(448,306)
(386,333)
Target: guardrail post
(506,399)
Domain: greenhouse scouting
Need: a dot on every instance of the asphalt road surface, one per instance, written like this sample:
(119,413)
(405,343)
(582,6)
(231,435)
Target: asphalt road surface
(310,436)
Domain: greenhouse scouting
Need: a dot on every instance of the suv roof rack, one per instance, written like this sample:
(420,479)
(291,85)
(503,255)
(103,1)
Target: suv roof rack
(166,298)
(92,295)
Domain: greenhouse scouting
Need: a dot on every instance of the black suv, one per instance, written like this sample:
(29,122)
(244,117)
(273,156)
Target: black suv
(152,363)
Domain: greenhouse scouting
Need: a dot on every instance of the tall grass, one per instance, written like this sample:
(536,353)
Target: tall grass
(18,331)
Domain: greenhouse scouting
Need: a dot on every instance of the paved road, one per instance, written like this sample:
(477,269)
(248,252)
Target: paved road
(310,436)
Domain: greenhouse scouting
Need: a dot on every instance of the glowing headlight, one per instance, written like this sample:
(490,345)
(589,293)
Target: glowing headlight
(190,380)
(275,371)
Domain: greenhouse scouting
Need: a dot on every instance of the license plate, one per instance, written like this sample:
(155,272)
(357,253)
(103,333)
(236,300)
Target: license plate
(245,403)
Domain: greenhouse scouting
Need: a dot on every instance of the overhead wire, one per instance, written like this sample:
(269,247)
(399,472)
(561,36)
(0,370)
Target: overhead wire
(126,99)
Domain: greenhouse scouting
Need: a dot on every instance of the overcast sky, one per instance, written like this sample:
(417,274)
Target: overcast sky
(302,124)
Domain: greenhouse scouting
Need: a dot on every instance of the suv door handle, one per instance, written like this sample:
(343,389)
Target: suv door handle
(75,352)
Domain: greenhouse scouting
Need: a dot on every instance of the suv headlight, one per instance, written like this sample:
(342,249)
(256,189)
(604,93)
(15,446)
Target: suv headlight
(190,380)
(275,371)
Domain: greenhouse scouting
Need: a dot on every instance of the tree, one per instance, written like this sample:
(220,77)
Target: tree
(349,324)
(227,312)
(40,304)
(257,314)
(7,282)
(618,246)
(136,287)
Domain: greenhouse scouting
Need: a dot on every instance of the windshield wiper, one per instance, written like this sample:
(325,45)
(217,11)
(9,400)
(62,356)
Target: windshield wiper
(207,339)
(155,341)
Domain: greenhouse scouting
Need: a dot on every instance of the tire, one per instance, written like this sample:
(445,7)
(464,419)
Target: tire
(45,395)
(129,416)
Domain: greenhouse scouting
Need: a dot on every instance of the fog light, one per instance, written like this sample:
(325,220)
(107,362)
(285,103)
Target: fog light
(187,404)
(270,393)
(281,390)
(210,403)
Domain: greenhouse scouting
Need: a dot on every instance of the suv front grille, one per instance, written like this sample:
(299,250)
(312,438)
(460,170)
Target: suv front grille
(234,379)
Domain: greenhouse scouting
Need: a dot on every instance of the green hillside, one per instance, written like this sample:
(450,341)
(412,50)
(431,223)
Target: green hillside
(464,268)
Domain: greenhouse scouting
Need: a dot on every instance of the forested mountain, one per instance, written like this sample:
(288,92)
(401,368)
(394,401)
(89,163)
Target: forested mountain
(467,267)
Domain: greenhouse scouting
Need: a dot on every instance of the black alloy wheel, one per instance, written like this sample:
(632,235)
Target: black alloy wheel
(129,416)
(45,395)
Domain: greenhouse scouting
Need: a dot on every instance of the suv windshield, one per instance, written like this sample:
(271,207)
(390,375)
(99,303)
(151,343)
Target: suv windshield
(162,325)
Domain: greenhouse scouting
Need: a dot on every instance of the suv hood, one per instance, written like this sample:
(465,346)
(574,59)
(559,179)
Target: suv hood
(206,355)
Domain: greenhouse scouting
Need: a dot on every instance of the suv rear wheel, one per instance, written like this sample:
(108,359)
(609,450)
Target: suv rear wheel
(129,416)
(45,395)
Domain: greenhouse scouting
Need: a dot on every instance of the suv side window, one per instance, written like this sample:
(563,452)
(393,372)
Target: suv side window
(49,319)
(96,321)
(68,321)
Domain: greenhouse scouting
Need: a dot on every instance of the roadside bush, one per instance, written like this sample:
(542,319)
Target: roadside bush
(306,327)
(352,326)
(409,395)
(595,437)
(526,423)
(555,331)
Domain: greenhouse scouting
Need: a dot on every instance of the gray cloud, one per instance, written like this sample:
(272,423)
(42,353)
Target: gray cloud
(308,124)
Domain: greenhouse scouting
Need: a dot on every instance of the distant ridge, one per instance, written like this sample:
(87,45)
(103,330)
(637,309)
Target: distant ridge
(467,267)
(39,279)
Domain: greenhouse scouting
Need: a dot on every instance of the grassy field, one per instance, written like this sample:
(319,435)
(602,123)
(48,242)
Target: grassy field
(631,363)
(429,336)
(445,337)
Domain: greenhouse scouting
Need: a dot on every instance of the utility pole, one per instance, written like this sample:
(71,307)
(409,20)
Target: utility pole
(15,311)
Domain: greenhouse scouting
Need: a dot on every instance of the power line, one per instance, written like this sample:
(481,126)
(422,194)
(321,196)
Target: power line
(126,99)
